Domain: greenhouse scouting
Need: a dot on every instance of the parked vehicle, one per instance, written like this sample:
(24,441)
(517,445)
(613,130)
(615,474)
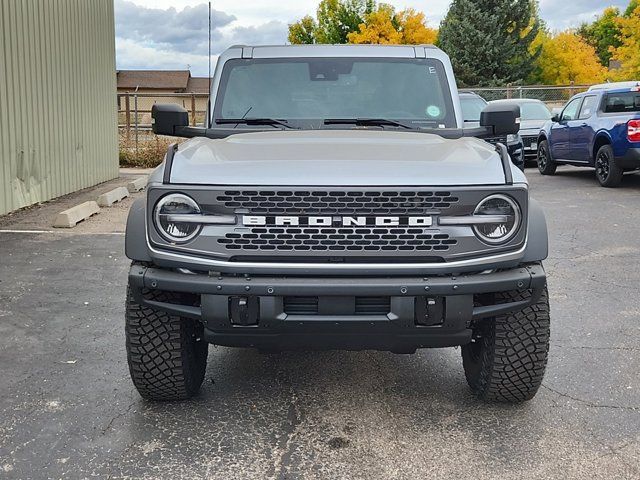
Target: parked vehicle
(533,115)
(335,201)
(472,106)
(598,129)
(614,85)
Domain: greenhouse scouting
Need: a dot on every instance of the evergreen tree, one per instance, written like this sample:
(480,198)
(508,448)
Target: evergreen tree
(489,41)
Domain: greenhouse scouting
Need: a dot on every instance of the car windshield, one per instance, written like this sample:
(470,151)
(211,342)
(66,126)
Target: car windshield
(472,107)
(534,111)
(305,92)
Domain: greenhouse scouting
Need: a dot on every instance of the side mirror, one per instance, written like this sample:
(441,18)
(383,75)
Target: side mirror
(555,118)
(503,120)
(165,118)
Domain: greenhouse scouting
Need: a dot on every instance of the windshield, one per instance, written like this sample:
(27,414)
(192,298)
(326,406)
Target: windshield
(307,91)
(472,107)
(534,111)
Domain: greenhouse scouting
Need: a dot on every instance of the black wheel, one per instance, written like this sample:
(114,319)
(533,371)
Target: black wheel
(166,354)
(546,165)
(607,172)
(507,359)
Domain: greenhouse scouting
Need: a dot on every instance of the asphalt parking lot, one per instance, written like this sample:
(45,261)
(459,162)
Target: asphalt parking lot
(69,410)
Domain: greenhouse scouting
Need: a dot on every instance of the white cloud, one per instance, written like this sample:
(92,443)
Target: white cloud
(173,33)
(132,55)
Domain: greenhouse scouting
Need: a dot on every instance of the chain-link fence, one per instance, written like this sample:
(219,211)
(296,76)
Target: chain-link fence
(140,147)
(553,96)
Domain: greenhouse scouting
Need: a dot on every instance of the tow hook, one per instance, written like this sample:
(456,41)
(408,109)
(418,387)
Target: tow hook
(244,311)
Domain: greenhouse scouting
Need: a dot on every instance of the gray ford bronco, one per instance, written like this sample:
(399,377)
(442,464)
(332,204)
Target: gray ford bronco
(333,200)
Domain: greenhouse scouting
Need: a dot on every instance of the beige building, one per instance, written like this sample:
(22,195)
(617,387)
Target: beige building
(160,82)
(58,129)
(148,87)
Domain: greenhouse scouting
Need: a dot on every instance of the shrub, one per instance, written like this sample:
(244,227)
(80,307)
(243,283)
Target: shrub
(149,154)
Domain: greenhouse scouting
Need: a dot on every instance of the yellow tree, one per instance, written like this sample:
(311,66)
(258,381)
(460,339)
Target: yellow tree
(413,26)
(385,26)
(567,58)
(628,53)
(378,27)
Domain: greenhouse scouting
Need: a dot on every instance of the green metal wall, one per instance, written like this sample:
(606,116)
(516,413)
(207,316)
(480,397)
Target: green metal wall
(58,125)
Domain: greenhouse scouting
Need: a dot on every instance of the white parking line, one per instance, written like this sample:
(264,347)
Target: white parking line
(67,232)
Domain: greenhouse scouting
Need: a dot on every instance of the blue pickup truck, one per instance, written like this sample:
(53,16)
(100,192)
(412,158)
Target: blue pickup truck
(600,129)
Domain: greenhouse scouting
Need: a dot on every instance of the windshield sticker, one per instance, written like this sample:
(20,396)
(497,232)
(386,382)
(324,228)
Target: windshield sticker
(433,111)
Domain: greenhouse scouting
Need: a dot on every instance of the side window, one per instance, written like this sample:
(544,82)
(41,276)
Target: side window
(570,112)
(589,107)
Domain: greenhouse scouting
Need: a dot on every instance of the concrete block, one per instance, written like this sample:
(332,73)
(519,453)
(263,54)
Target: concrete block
(109,198)
(137,184)
(70,218)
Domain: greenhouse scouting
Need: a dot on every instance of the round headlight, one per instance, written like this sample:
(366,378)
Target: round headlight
(172,218)
(507,219)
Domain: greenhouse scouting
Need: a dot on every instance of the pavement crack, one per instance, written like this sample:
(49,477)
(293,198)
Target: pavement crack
(588,403)
(585,347)
(281,465)
(117,416)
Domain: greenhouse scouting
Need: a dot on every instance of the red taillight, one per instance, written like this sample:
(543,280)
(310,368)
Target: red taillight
(633,130)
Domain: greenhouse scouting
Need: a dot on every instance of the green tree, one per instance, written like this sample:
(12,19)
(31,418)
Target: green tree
(489,41)
(633,4)
(603,34)
(303,31)
(335,19)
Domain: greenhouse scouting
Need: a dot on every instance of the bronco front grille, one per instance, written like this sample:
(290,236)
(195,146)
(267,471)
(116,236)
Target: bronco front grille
(337,239)
(378,202)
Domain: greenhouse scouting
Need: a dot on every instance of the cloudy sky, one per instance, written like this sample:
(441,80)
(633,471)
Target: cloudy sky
(172,34)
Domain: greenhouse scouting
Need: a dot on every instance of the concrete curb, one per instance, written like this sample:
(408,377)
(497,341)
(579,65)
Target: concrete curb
(70,218)
(138,184)
(109,198)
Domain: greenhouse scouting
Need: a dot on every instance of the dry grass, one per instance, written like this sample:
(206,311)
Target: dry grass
(149,154)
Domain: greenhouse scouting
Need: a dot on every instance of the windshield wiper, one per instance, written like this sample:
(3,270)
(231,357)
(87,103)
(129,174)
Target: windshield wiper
(373,122)
(254,121)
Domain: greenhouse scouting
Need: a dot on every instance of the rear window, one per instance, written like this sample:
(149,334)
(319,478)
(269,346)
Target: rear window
(622,102)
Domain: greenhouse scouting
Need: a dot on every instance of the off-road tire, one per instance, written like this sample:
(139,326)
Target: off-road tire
(607,172)
(506,362)
(166,354)
(546,165)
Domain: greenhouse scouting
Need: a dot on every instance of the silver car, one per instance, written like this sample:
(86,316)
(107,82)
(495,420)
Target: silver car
(334,200)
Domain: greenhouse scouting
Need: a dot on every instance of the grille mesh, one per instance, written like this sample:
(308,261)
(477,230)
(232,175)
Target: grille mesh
(337,239)
(278,202)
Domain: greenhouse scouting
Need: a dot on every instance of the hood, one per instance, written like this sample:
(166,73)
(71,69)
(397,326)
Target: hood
(336,157)
(532,125)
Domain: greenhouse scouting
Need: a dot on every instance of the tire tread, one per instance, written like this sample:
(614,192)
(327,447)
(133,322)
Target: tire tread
(166,356)
(514,352)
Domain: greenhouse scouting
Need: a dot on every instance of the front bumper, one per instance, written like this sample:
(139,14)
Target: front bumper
(460,299)
(530,147)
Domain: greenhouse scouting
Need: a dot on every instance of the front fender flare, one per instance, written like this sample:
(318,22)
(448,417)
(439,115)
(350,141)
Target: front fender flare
(135,240)
(538,238)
